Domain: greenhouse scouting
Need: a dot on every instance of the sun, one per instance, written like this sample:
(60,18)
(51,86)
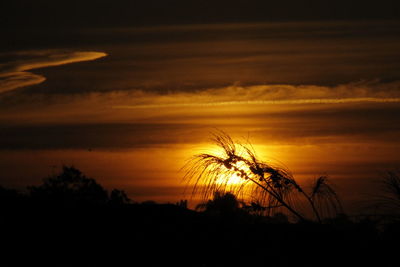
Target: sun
(230,179)
(233,178)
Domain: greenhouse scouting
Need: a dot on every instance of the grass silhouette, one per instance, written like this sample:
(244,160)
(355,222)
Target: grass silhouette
(274,187)
(388,198)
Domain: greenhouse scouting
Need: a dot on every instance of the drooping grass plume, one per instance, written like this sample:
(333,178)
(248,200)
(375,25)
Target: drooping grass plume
(388,198)
(272,187)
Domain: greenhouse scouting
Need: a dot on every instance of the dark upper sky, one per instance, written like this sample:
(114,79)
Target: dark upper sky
(89,13)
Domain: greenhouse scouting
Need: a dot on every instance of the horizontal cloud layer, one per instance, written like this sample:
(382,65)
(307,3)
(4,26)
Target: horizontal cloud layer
(358,112)
(372,91)
(14,74)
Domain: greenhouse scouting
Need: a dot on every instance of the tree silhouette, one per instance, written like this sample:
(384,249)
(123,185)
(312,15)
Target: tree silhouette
(222,203)
(119,197)
(272,186)
(11,198)
(69,188)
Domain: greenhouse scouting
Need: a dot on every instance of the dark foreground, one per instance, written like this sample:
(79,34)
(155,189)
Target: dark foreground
(170,235)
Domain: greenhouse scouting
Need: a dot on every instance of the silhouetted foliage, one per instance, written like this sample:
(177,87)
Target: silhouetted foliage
(69,188)
(149,202)
(222,203)
(11,197)
(183,203)
(279,218)
(167,234)
(274,188)
(119,197)
(7,194)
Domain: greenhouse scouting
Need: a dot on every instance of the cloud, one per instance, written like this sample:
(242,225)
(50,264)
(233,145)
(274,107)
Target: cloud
(371,91)
(14,80)
(14,74)
(212,104)
(357,112)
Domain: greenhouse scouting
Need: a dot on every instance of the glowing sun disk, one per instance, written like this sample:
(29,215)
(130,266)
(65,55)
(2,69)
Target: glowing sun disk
(232,177)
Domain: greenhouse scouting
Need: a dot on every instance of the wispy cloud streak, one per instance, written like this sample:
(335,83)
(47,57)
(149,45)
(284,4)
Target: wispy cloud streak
(373,91)
(15,74)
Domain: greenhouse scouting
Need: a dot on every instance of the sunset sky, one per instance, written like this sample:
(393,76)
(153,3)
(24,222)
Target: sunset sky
(127,91)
